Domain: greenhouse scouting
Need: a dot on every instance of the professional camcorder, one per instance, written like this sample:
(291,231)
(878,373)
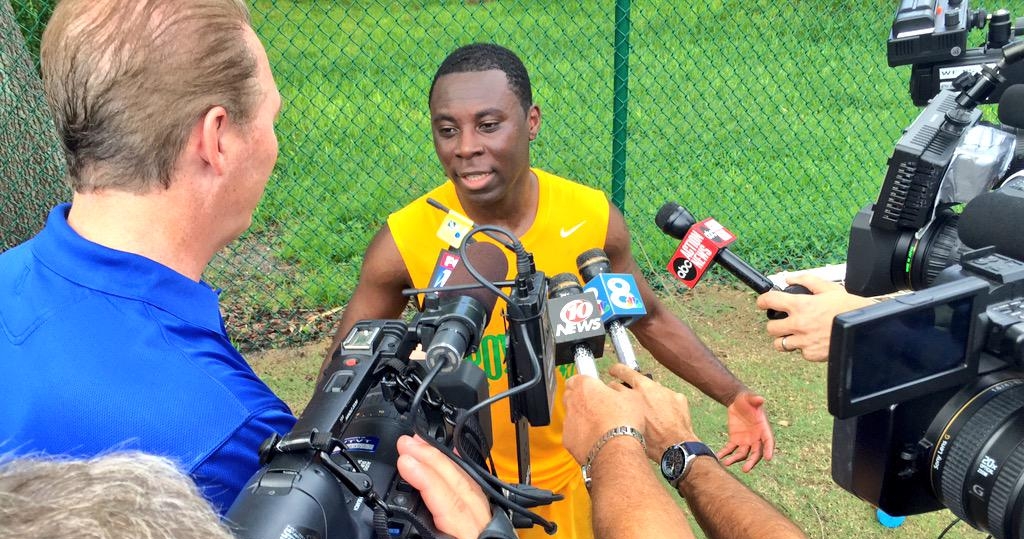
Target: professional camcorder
(334,476)
(928,394)
(946,158)
(931,35)
(927,388)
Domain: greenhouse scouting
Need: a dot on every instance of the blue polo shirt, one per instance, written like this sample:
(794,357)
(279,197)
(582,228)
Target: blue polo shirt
(103,350)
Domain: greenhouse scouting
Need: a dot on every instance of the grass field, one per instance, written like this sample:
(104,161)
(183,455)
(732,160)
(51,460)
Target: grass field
(798,480)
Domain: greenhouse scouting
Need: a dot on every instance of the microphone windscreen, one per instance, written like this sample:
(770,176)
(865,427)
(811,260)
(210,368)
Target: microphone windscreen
(593,262)
(992,218)
(674,220)
(1011,106)
(563,284)
(489,260)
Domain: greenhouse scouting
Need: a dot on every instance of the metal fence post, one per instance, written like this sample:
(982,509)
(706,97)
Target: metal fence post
(621,104)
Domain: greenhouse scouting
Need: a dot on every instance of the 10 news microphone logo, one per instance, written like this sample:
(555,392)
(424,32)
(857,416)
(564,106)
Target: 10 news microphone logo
(576,317)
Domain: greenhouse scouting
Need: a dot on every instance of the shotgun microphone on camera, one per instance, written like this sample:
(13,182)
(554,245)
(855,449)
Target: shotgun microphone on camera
(1011,106)
(992,219)
(460,316)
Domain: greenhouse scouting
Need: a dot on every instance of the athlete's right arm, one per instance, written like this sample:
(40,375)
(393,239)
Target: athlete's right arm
(378,295)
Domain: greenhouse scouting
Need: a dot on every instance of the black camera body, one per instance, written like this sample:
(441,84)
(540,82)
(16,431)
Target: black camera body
(928,394)
(944,159)
(932,36)
(326,478)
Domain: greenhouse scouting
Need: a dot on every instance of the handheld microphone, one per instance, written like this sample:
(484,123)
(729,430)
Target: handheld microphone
(992,218)
(675,221)
(458,318)
(579,335)
(617,296)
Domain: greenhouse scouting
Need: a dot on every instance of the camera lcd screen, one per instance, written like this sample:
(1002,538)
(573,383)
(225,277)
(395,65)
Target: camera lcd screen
(902,348)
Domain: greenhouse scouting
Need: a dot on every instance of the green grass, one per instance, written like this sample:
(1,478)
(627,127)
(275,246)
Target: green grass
(798,480)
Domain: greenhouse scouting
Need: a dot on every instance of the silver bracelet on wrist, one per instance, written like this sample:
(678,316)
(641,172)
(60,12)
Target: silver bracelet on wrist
(621,430)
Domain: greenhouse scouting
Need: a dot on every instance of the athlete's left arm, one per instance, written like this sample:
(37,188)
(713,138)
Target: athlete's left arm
(676,346)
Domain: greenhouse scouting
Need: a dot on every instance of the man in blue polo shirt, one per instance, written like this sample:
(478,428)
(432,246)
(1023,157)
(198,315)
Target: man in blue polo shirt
(109,338)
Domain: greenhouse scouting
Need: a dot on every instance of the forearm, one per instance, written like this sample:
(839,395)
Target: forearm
(676,346)
(628,500)
(727,509)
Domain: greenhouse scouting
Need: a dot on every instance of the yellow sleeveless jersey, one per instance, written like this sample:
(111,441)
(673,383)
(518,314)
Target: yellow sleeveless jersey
(571,218)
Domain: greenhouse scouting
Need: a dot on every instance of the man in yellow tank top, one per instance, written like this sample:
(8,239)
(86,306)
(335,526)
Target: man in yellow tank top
(483,119)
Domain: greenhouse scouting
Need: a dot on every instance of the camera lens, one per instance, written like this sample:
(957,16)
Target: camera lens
(938,248)
(977,465)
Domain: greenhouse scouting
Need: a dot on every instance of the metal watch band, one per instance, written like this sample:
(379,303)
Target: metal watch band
(621,430)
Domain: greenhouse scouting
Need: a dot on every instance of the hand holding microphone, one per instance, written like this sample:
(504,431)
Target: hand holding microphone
(675,221)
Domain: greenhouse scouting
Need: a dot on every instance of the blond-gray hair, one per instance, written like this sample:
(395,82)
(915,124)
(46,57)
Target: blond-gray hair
(128,79)
(126,495)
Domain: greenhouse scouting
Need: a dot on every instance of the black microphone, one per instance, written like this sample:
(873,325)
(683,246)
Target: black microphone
(992,219)
(459,317)
(579,335)
(1011,106)
(675,221)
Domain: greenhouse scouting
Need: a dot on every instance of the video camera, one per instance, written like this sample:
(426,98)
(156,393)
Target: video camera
(931,35)
(335,474)
(947,157)
(928,394)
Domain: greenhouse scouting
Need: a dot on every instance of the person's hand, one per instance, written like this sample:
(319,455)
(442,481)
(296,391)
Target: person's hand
(750,435)
(592,409)
(456,502)
(666,413)
(808,327)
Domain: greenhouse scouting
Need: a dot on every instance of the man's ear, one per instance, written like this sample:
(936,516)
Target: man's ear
(533,120)
(212,131)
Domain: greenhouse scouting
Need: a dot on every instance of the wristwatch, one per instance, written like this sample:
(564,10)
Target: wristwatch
(677,460)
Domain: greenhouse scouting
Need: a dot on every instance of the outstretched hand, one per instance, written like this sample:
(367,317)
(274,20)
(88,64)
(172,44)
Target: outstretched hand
(750,435)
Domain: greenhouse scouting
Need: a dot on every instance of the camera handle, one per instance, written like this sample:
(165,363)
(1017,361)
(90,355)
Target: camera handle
(985,82)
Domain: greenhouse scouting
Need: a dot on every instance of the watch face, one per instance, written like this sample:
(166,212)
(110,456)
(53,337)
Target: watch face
(673,462)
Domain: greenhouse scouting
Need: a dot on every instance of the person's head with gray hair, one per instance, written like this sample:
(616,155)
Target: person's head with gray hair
(127,495)
(128,80)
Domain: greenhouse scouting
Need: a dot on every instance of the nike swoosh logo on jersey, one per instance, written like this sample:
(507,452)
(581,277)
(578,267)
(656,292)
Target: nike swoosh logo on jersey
(566,233)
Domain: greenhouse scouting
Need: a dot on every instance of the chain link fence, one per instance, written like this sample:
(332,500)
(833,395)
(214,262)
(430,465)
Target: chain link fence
(31,165)
(776,117)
